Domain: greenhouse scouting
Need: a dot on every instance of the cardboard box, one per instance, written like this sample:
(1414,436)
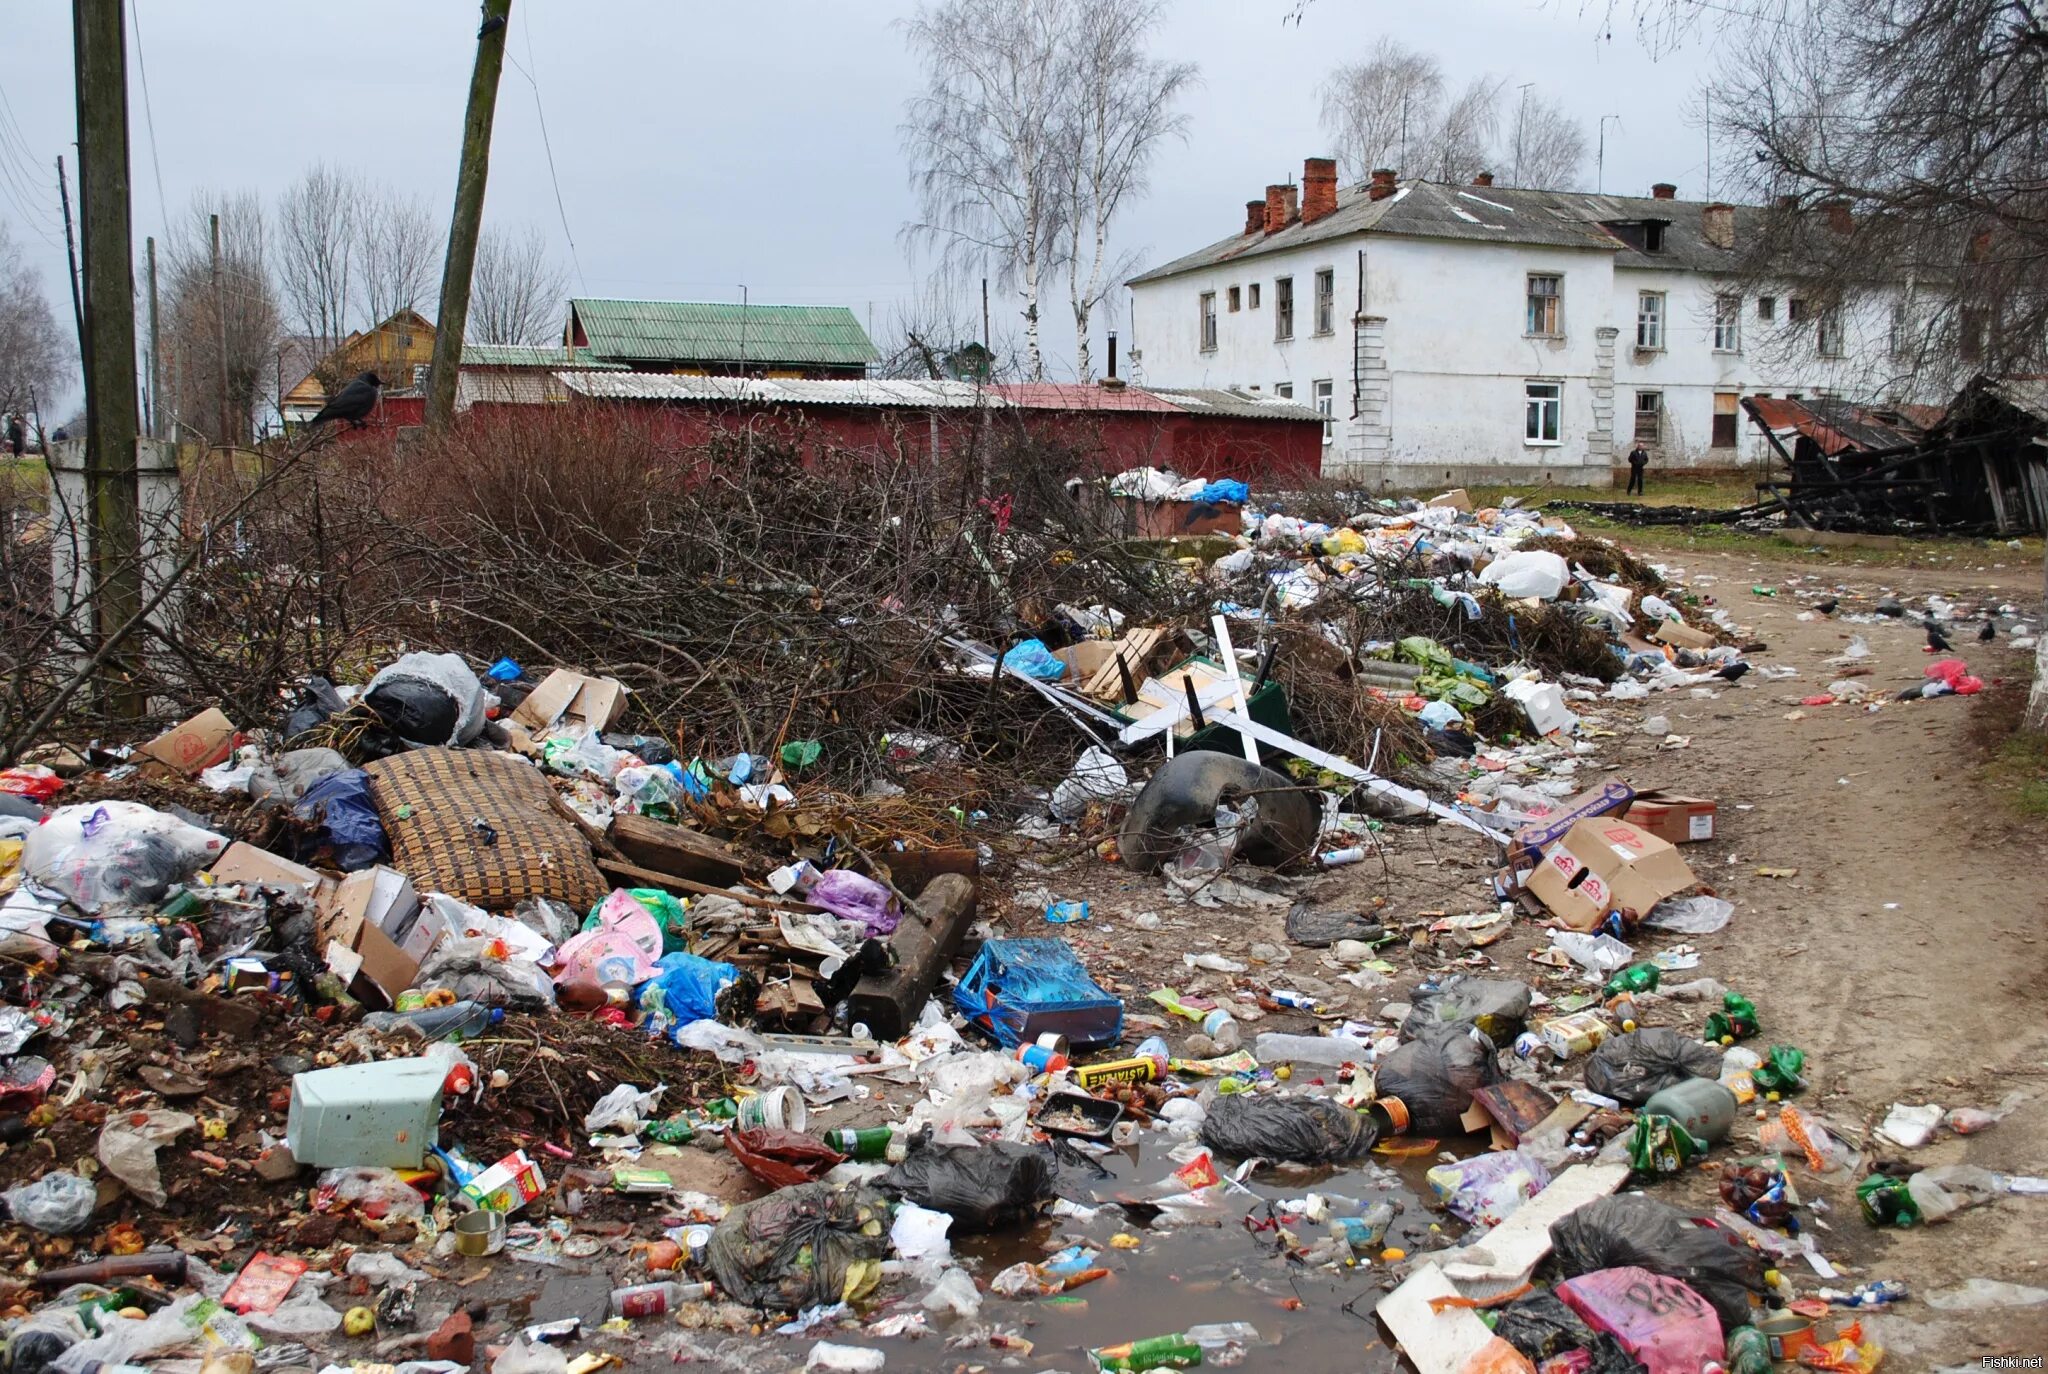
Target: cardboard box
(375,969)
(245,863)
(419,936)
(1454,499)
(1525,851)
(571,699)
(1676,819)
(1680,635)
(189,749)
(1605,864)
(384,898)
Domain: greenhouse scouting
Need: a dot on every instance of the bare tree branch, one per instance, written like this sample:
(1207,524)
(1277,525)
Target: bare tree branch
(516,294)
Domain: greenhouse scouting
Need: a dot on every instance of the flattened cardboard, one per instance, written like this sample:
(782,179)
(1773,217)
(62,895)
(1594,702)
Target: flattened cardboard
(1610,798)
(245,863)
(189,749)
(1514,1109)
(1604,864)
(571,699)
(1454,499)
(1680,635)
(1670,817)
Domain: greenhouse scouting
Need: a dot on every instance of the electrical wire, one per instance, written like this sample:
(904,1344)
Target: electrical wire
(526,31)
(163,208)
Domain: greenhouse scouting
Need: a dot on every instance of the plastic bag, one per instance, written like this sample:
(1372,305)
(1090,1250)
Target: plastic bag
(670,915)
(1631,1229)
(192,1320)
(1434,1076)
(349,829)
(1031,658)
(1486,1189)
(428,699)
(644,787)
(530,1357)
(1498,1006)
(1527,572)
(115,852)
(1848,1351)
(800,1247)
(953,1291)
(1634,1067)
(1540,1326)
(1696,915)
(624,1108)
(1663,1323)
(621,948)
(1096,777)
(302,1315)
(316,703)
(851,897)
(287,777)
(1940,1193)
(782,1159)
(379,1194)
(58,1203)
(1294,1130)
(128,1145)
(32,781)
(694,989)
(983,1187)
(466,968)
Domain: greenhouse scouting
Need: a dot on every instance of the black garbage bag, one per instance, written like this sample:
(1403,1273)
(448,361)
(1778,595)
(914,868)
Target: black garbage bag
(316,703)
(1498,1006)
(1632,1229)
(1434,1075)
(1635,1067)
(795,1248)
(1296,1130)
(984,1187)
(1541,1325)
(1184,794)
(1320,929)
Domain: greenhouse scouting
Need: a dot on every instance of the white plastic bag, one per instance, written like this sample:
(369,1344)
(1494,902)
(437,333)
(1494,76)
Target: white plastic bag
(443,673)
(530,1357)
(955,1293)
(1527,572)
(111,852)
(1096,776)
(59,1203)
(623,1109)
(128,1146)
(919,1233)
(303,1314)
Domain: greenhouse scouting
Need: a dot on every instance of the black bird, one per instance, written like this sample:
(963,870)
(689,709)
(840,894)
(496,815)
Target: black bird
(1827,607)
(1889,606)
(1988,633)
(1732,671)
(1937,642)
(353,403)
(491,26)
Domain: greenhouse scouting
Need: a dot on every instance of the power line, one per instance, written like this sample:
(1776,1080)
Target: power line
(163,208)
(526,30)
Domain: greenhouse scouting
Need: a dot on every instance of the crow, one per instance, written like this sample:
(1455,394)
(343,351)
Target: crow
(1732,671)
(1827,607)
(1988,633)
(353,403)
(1937,642)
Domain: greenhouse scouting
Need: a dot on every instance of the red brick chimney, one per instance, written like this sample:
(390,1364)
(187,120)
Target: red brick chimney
(1839,218)
(1663,190)
(1717,224)
(1254,216)
(1483,179)
(1318,188)
(1382,183)
(1276,208)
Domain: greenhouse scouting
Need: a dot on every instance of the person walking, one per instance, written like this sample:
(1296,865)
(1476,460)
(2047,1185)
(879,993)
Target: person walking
(1637,461)
(17,434)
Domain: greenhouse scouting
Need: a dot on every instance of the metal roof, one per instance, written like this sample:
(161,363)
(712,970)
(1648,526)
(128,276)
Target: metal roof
(1494,214)
(1838,426)
(525,387)
(2028,394)
(1080,396)
(530,355)
(650,386)
(722,332)
(1249,405)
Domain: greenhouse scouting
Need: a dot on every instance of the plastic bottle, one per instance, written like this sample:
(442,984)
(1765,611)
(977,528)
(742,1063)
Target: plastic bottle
(1223,1343)
(869,1144)
(1635,978)
(1160,1352)
(1365,1231)
(457,1021)
(654,1299)
(1276,1047)
(1749,1351)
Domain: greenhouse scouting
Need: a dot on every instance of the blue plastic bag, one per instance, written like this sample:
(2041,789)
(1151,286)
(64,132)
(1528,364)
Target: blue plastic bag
(340,804)
(1033,659)
(1224,489)
(1017,990)
(690,986)
(504,670)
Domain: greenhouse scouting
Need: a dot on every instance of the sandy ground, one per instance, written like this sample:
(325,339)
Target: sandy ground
(1906,955)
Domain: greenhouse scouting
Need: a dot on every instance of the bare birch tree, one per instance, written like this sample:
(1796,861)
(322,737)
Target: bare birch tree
(1544,146)
(1461,141)
(222,333)
(399,255)
(987,139)
(1120,110)
(321,220)
(1371,108)
(34,353)
(517,291)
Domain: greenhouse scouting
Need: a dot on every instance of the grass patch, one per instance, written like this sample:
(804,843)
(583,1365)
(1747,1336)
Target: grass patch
(2015,761)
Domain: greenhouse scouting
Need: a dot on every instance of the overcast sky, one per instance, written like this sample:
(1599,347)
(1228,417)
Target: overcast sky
(699,146)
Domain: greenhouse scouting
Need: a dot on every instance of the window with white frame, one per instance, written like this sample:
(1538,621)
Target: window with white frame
(1827,334)
(1326,301)
(1649,417)
(1283,307)
(1284,390)
(1208,321)
(1542,412)
(1727,323)
(1649,319)
(1325,393)
(1545,318)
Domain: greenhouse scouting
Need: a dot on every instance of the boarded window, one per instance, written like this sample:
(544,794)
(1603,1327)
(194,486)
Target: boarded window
(1726,415)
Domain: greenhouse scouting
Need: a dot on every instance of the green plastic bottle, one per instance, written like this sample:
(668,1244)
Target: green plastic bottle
(1160,1352)
(1635,978)
(1735,1021)
(1749,1351)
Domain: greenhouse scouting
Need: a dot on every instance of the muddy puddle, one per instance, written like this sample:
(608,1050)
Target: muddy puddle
(1309,1318)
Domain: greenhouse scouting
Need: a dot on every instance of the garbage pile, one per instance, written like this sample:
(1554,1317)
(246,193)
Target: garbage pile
(305,1029)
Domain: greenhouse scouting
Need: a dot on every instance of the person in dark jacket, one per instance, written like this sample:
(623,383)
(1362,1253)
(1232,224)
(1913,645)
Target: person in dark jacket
(17,434)
(1637,461)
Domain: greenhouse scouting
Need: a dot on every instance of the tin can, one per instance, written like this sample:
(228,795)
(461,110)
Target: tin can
(1390,1114)
(1039,1059)
(1337,858)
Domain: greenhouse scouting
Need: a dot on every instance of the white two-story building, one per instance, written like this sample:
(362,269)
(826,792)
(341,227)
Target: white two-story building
(1473,334)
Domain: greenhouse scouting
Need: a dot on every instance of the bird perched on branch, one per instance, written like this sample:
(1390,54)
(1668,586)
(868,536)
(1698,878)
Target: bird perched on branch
(1827,607)
(1989,632)
(353,403)
(1937,642)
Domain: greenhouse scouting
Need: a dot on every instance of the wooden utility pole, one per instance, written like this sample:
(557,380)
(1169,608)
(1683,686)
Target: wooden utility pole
(71,258)
(469,213)
(156,372)
(100,54)
(224,437)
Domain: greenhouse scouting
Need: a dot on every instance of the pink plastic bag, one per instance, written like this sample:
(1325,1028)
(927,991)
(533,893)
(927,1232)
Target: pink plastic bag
(621,950)
(1660,1321)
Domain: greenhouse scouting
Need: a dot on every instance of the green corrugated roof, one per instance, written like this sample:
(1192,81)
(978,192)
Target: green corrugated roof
(721,332)
(530,355)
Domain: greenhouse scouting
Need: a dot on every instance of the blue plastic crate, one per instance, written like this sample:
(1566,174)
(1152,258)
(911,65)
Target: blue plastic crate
(1017,990)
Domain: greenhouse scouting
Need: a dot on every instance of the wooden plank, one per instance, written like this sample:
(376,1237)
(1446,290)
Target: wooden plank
(647,877)
(677,850)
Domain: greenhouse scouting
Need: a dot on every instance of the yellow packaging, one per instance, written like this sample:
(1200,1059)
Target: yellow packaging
(1143,1069)
(1572,1035)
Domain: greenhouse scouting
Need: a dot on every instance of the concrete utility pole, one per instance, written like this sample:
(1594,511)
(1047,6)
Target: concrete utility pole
(100,56)
(156,370)
(469,212)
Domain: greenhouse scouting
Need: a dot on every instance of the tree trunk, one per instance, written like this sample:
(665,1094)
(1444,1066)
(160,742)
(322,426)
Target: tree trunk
(1034,359)
(1084,363)
(2037,700)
